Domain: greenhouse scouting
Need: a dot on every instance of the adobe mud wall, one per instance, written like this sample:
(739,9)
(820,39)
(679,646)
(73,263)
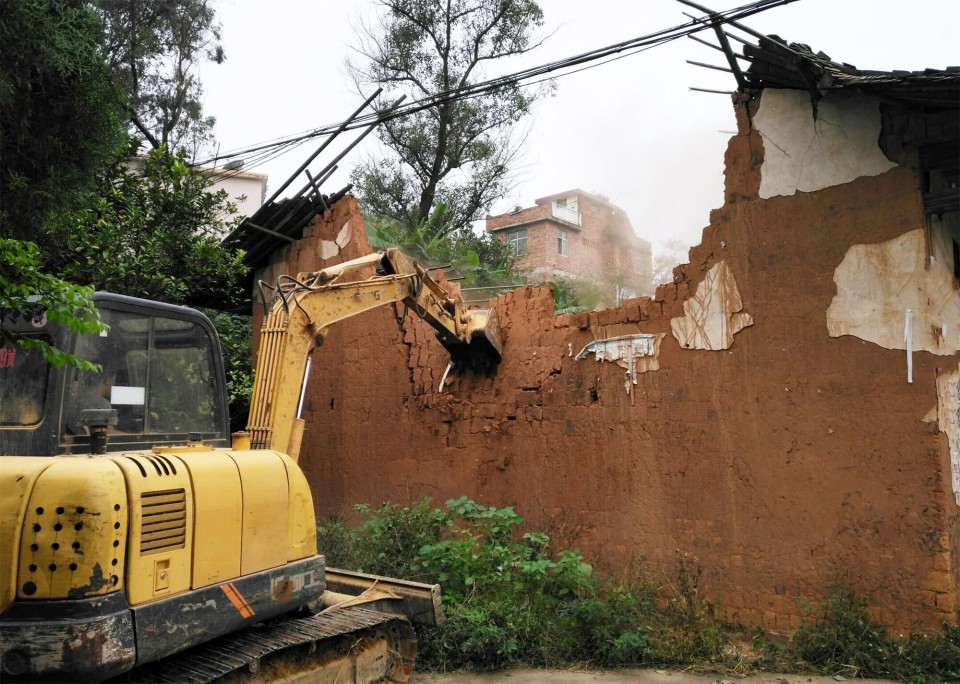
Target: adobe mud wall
(783,458)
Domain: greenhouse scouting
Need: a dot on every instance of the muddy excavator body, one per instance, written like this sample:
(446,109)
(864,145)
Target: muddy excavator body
(157,551)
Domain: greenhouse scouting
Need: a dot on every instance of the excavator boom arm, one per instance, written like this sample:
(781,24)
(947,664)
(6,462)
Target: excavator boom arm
(304,307)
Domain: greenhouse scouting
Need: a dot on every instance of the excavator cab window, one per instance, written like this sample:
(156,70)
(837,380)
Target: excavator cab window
(24,375)
(160,373)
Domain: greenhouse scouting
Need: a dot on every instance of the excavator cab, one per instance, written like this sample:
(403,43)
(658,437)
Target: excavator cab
(161,371)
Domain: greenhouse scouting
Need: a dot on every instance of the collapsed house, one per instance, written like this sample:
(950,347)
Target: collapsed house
(787,410)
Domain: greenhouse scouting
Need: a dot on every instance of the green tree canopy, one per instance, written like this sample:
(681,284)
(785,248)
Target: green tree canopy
(457,153)
(152,230)
(71,202)
(61,115)
(60,119)
(154,49)
(27,293)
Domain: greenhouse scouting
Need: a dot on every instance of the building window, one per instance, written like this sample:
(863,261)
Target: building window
(639,263)
(562,242)
(517,241)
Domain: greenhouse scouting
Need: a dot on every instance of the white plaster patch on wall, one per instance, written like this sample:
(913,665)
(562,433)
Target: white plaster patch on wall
(343,237)
(642,349)
(712,316)
(635,353)
(948,416)
(331,248)
(801,154)
(328,249)
(878,283)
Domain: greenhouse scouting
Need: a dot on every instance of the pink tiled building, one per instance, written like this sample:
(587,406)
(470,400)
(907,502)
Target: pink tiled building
(578,236)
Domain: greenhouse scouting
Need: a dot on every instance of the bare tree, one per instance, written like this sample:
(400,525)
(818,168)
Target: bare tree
(666,257)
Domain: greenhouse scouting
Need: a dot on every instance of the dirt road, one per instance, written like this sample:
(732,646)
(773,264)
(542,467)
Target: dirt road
(526,676)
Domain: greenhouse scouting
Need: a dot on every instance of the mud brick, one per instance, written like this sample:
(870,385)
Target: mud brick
(632,312)
(941,562)
(732,599)
(666,293)
(880,615)
(607,316)
(948,603)
(940,582)
(582,321)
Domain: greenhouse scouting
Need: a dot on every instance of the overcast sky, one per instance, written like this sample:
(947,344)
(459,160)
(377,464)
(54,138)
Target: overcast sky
(630,130)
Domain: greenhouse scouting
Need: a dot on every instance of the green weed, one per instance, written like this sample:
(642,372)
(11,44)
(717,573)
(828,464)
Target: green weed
(513,596)
(839,638)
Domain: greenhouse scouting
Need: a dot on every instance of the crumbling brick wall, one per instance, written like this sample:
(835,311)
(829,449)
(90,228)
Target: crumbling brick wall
(784,463)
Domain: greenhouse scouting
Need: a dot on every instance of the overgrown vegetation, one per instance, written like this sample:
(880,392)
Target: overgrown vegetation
(477,260)
(840,638)
(148,229)
(518,597)
(76,214)
(236,341)
(572,295)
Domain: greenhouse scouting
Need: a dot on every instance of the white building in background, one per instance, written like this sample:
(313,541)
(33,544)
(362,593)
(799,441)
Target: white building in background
(247,190)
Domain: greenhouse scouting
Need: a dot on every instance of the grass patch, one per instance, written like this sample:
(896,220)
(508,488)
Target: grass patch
(516,597)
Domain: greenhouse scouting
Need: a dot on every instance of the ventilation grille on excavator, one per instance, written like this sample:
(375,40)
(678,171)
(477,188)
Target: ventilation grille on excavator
(163,525)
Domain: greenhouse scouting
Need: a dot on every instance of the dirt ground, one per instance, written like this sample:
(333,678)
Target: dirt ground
(633,676)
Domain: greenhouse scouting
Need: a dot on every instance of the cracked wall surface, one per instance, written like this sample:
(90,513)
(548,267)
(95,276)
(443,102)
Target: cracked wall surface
(785,460)
(878,284)
(803,153)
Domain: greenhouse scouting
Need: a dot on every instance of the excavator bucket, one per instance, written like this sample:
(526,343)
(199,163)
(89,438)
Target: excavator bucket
(484,346)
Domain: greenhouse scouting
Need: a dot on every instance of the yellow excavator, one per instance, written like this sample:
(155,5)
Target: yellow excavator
(137,541)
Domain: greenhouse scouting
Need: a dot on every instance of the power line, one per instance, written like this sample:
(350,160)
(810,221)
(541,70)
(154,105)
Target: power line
(263,152)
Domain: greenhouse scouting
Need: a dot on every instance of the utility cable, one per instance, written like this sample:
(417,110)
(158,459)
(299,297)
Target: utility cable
(263,152)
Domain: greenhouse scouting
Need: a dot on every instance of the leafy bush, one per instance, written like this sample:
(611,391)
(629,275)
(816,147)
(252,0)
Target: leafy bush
(477,260)
(512,597)
(839,637)
(338,543)
(572,295)
(612,627)
(235,331)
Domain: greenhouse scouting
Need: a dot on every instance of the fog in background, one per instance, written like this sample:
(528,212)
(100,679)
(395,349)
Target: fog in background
(630,130)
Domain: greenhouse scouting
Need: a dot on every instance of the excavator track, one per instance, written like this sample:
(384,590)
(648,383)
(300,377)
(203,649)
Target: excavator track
(351,645)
